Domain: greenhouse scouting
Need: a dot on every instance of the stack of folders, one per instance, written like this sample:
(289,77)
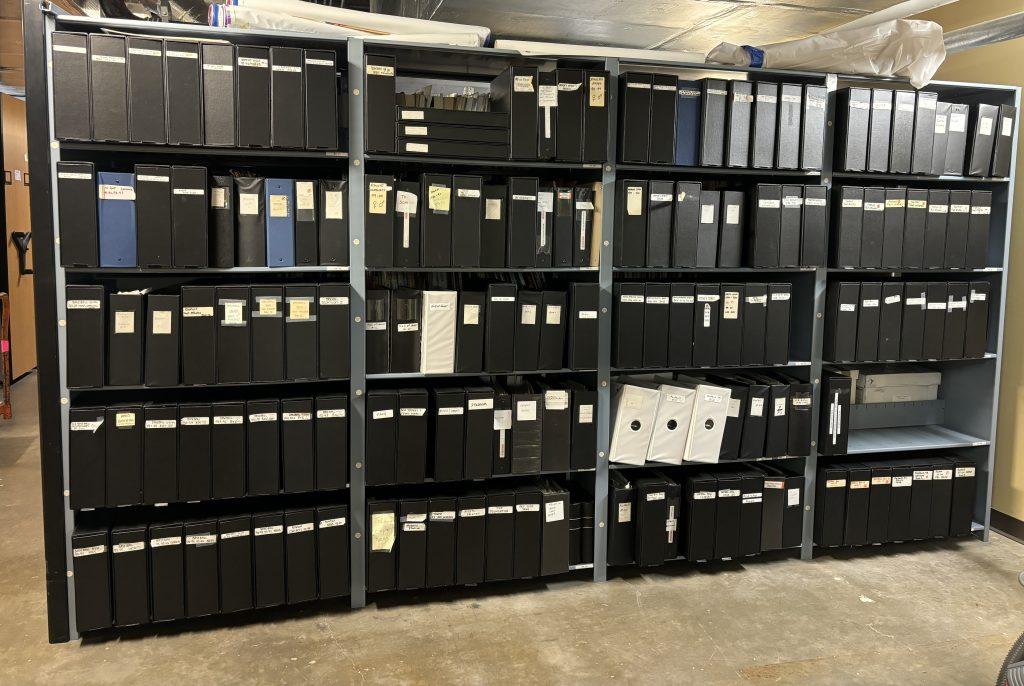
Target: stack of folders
(526,114)
(710,419)
(894,320)
(714,515)
(144,89)
(206,335)
(157,453)
(440,220)
(681,325)
(683,224)
(517,532)
(900,498)
(913,228)
(174,216)
(449,433)
(912,132)
(500,330)
(139,573)
(721,123)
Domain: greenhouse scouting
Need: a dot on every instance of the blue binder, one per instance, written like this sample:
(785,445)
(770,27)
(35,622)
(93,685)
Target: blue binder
(688,123)
(116,207)
(280,222)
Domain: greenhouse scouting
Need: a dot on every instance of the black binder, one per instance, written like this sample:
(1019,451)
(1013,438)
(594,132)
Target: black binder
(956,139)
(332,221)
(227,449)
(146,108)
(501,310)
(935,228)
(661,149)
(412,544)
(903,119)
(184,93)
(552,316)
(730,327)
(889,323)
(656,325)
(86,315)
(300,332)
(320,88)
(854,110)
(957,228)
(76,211)
(332,551)
(527,430)
(940,138)
(978,230)
(268,554)
(436,220)
(130,574)
(298,466)
(195,467)
(924,133)
(787,143)
(563,245)
(86,457)
(71,93)
(737,138)
(583,306)
(528,532)
(467,211)
(572,93)
(595,117)
(680,324)
(707,228)
(584,228)
(252,105)
(814,231)
(791,218)
(479,425)
(236,563)
(514,91)
(378,349)
(705,325)
(252,222)
(189,216)
(629,310)
(441,541)
(841,320)
(878,503)
(685,219)
(380,217)
(267,325)
(659,224)
(449,410)
(879,129)
(333,331)
(634,134)
(202,597)
(893,222)
(124,455)
(813,136)
(731,229)
(976,338)
(108,76)
(381,436)
(1003,146)
(934,320)
(500,530)
(405,330)
(872,228)
(766,106)
(167,570)
(547,126)
(470,541)
(287,125)
(755,319)
(914,220)
(584,428)
(306,238)
(223,209)
(523,222)
(776,349)
(160,454)
(713,103)
(700,502)
(218,94)
(126,329)
(867,321)
(331,434)
(379,109)
(954,329)
(300,555)
(915,307)
(849,215)
(263,431)
(163,321)
(983,125)
(493,226)
(469,337)
(767,234)
(527,335)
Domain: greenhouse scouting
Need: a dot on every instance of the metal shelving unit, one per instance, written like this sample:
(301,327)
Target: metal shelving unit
(975,409)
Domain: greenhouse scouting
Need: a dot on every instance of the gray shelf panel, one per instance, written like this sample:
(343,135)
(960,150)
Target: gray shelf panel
(900,438)
(664,465)
(912,270)
(716,171)
(482,270)
(717,270)
(944,360)
(883,176)
(428,161)
(554,472)
(183,387)
(459,375)
(202,151)
(656,370)
(204,271)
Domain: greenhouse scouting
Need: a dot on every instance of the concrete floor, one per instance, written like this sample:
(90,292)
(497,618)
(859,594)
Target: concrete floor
(937,613)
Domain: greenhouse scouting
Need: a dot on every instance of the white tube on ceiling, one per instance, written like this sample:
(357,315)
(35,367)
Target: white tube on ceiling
(900,10)
(985,33)
(542,49)
(367,22)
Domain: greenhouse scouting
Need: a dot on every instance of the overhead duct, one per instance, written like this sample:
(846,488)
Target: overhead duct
(901,10)
(542,49)
(985,33)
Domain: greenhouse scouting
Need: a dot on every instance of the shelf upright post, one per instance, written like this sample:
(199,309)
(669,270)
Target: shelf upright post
(818,330)
(357,281)
(604,340)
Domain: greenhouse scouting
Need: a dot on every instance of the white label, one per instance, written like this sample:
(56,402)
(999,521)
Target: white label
(634,200)
(470,315)
(383,414)
(333,207)
(905,107)
(793,497)
(869,303)
(586,414)
(502,420)
(652,497)
(802,402)
(882,105)
(286,68)
(443,516)
(412,411)
(154,179)
(333,522)
(502,299)
(526,410)
(631,298)
(216,67)
(299,528)
(847,307)
(835,483)
(588,314)
(596,88)
(657,300)
(901,481)
(777,297)
(473,512)
(814,202)
(780,407)
(964,472)
(553,315)
(450,411)
(480,404)
(380,70)
(625,513)
(957,122)
(659,197)
(407,327)
(917,204)
(852,202)
(333,300)
(528,507)
(940,123)
(195,421)
(467,193)
(91,427)
(682,299)
(304,195)
(734,408)
(439,198)
(218,198)
(330,414)
(201,539)
(769,99)
(188,191)
(942,474)
(938,209)
(768,203)
(732,214)
(742,97)
(376,326)
(492,209)
(774,485)
(937,306)
(500,509)
(641,85)
(977,297)
(707,214)
(980,209)
(707,298)
(792,201)
(524,197)
(547,96)
(896,202)
(279,206)
(731,305)
(296,416)
(417,147)
(416,115)
(860,105)
(554,511)
(985,126)
(959,209)
(704,495)
(881,480)
(248,203)
(522,84)
(786,97)
(124,322)
(108,191)
(922,475)
(69,48)
(892,299)
(115,59)
(124,420)
(162,322)
(257,62)
(227,419)
(757,407)
(259,417)
(74,175)
(119,548)
(728,493)
(713,398)
(161,423)
(91,550)
(382,531)
(164,541)
(528,315)
(556,401)
(416,131)
(874,206)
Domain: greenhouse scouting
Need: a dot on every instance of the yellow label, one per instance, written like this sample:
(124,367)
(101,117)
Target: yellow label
(378,198)
(596,91)
(298,309)
(440,198)
(268,306)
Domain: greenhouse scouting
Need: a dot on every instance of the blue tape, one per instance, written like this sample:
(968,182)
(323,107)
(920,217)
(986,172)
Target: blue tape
(756,55)
(215,15)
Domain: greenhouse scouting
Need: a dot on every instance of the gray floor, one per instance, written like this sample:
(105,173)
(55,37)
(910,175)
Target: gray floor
(941,613)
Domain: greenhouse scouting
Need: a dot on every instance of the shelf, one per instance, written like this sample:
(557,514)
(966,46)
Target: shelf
(912,270)
(179,271)
(682,558)
(650,370)
(476,270)
(200,151)
(425,160)
(458,375)
(716,270)
(665,465)
(182,387)
(988,356)
(556,472)
(883,176)
(256,501)
(899,438)
(484,582)
(716,171)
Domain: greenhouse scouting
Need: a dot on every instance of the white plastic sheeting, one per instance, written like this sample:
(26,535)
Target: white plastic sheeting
(231,16)
(909,48)
(368,23)
(542,49)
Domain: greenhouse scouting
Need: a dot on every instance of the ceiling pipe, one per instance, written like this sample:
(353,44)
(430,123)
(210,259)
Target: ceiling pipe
(898,11)
(985,33)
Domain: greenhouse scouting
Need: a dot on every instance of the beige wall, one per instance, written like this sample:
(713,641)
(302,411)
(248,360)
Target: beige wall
(1000,63)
